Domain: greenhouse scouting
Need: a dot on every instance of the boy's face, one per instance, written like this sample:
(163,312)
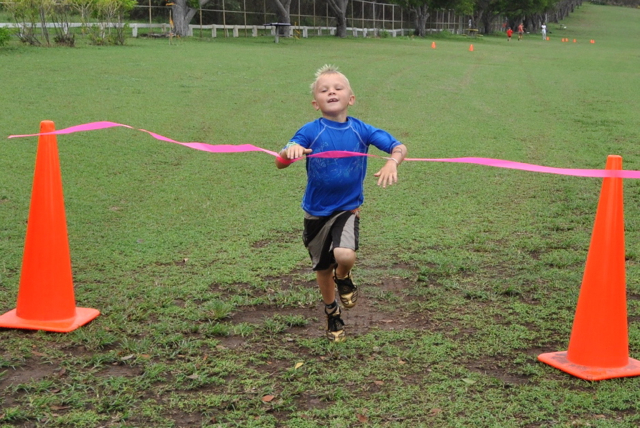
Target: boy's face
(333,96)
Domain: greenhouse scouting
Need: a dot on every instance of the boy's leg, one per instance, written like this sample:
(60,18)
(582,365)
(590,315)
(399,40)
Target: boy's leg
(327,286)
(346,259)
(335,325)
(319,236)
(345,239)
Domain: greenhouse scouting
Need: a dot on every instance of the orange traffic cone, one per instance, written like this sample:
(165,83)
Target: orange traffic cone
(45,298)
(471,48)
(592,41)
(599,347)
(574,40)
(547,38)
(433,45)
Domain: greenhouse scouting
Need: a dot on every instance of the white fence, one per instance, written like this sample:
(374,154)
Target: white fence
(234,30)
(302,31)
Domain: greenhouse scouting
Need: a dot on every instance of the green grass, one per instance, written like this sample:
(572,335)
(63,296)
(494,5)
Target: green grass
(196,263)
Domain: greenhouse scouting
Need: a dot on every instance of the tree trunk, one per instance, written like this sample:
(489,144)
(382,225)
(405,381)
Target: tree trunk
(284,16)
(479,18)
(43,22)
(339,8)
(486,11)
(182,16)
(486,23)
(422,14)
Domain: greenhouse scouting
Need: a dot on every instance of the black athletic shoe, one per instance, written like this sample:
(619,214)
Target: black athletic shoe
(347,290)
(335,326)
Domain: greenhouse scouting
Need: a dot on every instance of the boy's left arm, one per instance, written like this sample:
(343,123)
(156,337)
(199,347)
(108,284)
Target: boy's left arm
(388,174)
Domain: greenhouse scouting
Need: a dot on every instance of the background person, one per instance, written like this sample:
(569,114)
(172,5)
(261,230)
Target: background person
(520,31)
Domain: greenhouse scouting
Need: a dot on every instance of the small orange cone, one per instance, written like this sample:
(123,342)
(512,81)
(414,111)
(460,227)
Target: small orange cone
(471,48)
(548,38)
(599,346)
(592,41)
(433,45)
(574,40)
(45,297)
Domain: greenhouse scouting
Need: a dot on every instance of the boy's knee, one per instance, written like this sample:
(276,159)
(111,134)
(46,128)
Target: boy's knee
(344,255)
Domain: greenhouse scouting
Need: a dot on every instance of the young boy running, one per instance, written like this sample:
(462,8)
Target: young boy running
(520,31)
(335,188)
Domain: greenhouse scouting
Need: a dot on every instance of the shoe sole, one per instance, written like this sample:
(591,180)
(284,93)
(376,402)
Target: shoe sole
(336,336)
(349,300)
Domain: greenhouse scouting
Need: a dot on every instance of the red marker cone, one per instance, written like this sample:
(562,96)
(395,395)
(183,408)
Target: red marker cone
(46,299)
(433,45)
(471,48)
(599,347)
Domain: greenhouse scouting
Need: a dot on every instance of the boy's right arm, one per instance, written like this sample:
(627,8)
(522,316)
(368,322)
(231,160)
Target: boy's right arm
(289,153)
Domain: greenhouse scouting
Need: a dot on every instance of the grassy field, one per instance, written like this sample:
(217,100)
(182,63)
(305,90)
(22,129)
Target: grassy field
(210,315)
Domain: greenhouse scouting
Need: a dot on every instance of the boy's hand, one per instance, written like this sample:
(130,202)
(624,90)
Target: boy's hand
(388,174)
(294,151)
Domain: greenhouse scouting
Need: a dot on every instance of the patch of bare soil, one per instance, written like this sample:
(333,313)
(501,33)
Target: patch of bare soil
(120,370)
(369,314)
(28,372)
(489,368)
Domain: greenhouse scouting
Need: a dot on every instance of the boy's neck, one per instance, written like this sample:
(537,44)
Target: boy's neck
(342,117)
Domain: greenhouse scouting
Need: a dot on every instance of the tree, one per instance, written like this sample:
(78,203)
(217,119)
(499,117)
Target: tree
(516,10)
(29,15)
(562,9)
(110,28)
(461,7)
(420,9)
(486,11)
(183,12)
(339,8)
(283,14)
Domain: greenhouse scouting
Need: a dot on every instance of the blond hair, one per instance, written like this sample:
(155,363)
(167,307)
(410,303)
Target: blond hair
(328,69)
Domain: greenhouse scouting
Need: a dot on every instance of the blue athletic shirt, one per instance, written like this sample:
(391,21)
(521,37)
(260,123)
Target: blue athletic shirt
(338,184)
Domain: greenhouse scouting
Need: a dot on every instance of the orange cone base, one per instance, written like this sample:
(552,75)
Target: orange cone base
(559,360)
(83,316)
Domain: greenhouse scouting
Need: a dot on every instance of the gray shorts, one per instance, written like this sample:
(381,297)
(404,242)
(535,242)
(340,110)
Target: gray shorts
(322,234)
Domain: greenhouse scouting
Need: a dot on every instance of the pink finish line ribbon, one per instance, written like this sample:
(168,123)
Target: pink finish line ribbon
(241,148)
